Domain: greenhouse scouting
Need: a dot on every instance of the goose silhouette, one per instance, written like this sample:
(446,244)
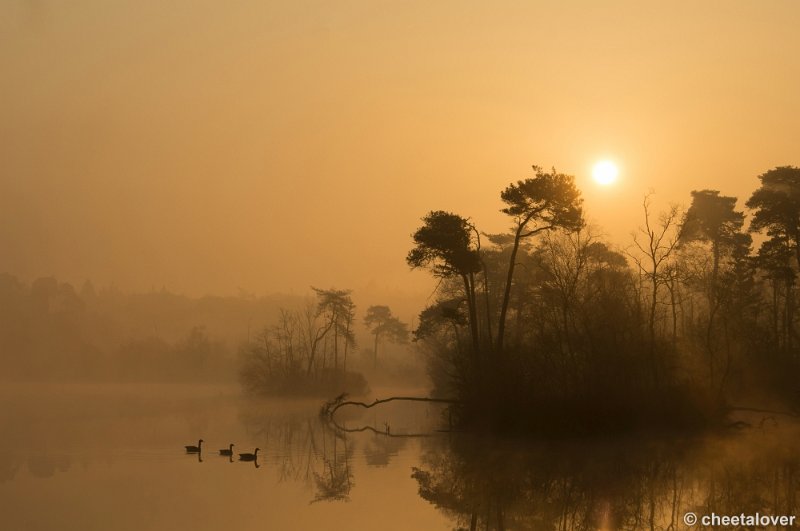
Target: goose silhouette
(249,457)
(227,451)
(195,449)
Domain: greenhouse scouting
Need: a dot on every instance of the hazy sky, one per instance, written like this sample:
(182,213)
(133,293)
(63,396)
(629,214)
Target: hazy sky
(206,146)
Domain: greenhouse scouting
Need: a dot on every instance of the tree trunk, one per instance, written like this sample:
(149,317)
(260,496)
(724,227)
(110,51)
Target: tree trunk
(652,325)
(715,271)
(336,345)
(775,325)
(673,307)
(469,290)
(501,325)
(790,316)
(320,334)
(346,343)
(488,307)
(375,351)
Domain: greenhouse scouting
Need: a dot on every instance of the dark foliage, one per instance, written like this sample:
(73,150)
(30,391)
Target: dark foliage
(575,337)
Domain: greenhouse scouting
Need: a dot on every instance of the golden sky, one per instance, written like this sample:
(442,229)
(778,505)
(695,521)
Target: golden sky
(209,146)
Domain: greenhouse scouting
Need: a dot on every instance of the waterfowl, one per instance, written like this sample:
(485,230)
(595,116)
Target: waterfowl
(249,457)
(228,451)
(194,449)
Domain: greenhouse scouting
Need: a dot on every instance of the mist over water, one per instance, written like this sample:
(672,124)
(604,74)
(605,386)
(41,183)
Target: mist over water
(111,457)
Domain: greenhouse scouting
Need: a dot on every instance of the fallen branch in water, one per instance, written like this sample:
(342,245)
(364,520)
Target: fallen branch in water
(386,432)
(329,408)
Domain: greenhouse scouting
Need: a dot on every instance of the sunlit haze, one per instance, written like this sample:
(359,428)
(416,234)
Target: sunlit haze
(269,146)
(605,172)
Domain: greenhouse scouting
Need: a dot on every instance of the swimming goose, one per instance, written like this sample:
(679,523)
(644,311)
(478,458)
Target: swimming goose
(228,451)
(249,457)
(194,449)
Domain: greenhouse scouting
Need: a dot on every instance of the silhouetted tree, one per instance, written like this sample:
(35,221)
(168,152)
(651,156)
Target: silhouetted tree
(591,334)
(288,357)
(383,324)
(545,202)
(445,244)
(443,314)
(438,336)
(777,206)
(339,309)
(712,218)
(777,211)
(655,242)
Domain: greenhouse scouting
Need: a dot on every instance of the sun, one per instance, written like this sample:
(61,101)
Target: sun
(605,173)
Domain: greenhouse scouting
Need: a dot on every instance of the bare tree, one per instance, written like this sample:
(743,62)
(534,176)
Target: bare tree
(655,243)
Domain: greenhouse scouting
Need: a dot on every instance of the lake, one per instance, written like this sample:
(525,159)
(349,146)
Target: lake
(111,457)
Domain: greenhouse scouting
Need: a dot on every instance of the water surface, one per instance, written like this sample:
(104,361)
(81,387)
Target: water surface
(111,457)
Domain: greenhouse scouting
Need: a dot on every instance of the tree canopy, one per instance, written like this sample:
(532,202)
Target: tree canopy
(383,324)
(712,217)
(445,244)
(547,201)
(776,205)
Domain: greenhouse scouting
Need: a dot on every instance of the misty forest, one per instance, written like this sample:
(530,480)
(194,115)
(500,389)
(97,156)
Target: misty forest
(609,363)
(545,328)
(548,328)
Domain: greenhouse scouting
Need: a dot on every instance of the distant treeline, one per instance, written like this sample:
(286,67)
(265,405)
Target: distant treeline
(550,328)
(51,330)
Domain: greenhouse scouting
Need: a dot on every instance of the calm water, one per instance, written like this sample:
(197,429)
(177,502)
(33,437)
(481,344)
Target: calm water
(110,457)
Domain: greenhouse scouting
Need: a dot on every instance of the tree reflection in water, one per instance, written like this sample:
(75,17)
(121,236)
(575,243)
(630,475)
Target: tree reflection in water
(319,453)
(337,479)
(631,484)
(379,449)
(491,484)
(305,449)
